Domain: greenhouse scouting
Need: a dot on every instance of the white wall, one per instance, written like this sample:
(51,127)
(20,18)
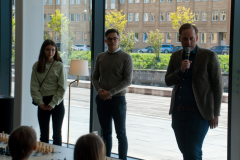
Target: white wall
(29,38)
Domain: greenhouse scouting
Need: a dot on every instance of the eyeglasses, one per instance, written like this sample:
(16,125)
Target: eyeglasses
(114,39)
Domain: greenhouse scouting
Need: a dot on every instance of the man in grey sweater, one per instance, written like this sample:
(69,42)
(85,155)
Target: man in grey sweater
(112,74)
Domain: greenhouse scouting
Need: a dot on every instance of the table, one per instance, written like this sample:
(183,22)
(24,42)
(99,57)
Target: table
(60,154)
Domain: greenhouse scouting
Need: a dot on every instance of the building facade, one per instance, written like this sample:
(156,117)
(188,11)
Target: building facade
(212,17)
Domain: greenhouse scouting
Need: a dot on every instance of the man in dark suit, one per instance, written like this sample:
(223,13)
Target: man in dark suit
(197,93)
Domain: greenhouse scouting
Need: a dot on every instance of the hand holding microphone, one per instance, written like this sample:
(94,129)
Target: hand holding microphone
(186,63)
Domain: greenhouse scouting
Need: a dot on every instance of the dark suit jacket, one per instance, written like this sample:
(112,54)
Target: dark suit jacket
(206,81)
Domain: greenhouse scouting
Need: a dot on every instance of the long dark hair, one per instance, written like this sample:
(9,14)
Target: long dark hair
(89,147)
(42,58)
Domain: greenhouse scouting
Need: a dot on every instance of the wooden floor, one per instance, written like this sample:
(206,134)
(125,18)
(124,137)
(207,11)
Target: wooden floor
(149,131)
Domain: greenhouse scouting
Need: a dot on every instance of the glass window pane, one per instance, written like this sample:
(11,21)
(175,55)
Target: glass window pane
(137,1)
(204,16)
(152,17)
(145,17)
(136,17)
(168,38)
(213,37)
(130,17)
(50,2)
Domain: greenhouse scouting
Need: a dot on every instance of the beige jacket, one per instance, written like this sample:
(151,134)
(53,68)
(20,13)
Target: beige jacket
(206,81)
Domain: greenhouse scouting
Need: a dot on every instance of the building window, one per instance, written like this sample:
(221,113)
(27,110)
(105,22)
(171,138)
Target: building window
(196,16)
(49,17)
(45,2)
(152,17)
(161,17)
(214,0)
(168,16)
(112,4)
(204,0)
(162,1)
(56,36)
(63,2)
(145,36)
(145,17)
(130,17)
(177,38)
(179,0)
(168,38)
(77,39)
(223,15)
(105,4)
(71,1)
(84,17)
(136,17)
(71,17)
(169,0)
(186,0)
(203,37)
(57,2)
(136,37)
(162,37)
(204,16)
(214,15)
(136,1)
(146,1)
(122,1)
(77,1)
(77,17)
(153,1)
(214,38)
(84,36)
(196,0)
(50,2)
(45,17)
(84,1)
(130,1)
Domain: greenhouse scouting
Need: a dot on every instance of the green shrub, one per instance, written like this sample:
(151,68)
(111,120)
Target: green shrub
(147,60)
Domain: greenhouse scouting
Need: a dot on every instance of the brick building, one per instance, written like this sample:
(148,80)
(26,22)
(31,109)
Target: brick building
(212,17)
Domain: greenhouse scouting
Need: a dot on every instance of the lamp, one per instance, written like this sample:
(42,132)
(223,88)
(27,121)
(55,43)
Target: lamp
(77,68)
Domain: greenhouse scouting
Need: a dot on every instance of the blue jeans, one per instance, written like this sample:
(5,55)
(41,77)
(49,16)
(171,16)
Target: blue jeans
(113,109)
(190,130)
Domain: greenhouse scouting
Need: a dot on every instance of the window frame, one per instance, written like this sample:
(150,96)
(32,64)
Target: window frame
(145,13)
(212,37)
(168,33)
(136,16)
(205,38)
(169,16)
(77,17)
(152,16)
(130,15)
(70,17)
(203,16)
(161,14)
(221,16)
(195,16)
(213,16)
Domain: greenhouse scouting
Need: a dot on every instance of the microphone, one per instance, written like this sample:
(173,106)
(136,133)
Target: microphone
(187,55)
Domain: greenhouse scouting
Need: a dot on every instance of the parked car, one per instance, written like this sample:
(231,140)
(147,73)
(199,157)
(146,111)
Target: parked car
(75,48)
(167,48)
(219,49)
(178,48)
(82,47)
(226,50)
(148,49)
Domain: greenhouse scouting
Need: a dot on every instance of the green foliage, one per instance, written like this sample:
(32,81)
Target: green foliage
(182,16)
(224,62)
(115,19)
(155,39)
(127,41)
(83,55)
(60,24)
(13,38)
(46,35)
(147,60)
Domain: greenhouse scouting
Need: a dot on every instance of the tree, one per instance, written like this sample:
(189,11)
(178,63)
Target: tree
(182,16)
(115,19)
(155,39)
(127,41)
(13,38)
(60,24)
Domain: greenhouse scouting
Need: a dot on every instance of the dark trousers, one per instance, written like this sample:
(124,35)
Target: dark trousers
(57,120)
(113,109)
(190,129)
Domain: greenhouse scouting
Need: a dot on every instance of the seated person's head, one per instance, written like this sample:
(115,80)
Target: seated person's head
(21,143)
(89,147)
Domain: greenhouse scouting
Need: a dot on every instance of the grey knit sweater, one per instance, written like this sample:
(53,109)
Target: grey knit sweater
(113,72)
